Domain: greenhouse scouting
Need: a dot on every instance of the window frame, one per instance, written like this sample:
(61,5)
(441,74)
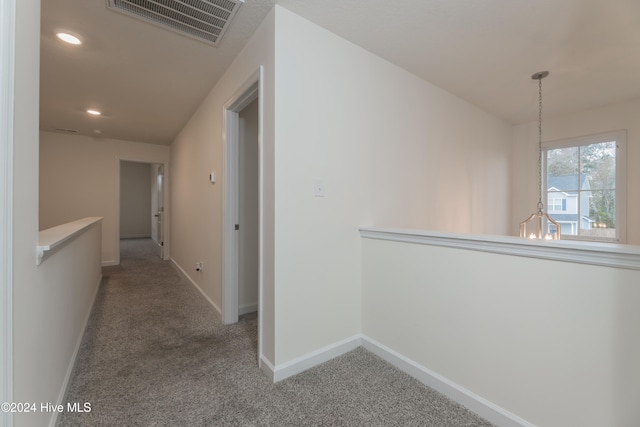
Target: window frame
(620,138)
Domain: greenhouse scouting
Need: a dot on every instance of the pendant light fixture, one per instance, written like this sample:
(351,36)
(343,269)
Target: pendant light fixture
(537,226)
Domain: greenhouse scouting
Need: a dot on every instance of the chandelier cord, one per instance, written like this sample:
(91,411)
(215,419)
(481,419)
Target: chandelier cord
(540,204)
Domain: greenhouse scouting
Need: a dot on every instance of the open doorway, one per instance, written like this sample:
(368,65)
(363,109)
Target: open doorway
(141,203)
(243,211)
(157,206)
(248,209)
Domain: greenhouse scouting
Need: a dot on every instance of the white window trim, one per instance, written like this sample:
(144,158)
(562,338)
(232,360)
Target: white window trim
(620,136)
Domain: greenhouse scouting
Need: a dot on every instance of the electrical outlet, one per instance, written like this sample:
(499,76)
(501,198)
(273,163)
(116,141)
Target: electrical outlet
(198,266)
(318,187)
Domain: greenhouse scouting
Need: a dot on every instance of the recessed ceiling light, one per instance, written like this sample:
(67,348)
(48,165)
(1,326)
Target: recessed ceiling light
(66,37)
(93,112)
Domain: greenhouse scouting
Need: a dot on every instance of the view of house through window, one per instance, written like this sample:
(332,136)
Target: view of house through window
(581,182)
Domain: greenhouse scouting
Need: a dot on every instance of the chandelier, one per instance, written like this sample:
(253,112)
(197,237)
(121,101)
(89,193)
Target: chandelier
(540,225)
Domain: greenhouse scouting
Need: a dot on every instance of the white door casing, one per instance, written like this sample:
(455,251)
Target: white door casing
(7,64)
(166,248)
(246,93)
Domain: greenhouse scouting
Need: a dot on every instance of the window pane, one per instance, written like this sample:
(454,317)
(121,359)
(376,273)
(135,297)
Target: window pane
(598,165)
(603,208)
(601,219)
(556,202)
(562,207)
(562,169)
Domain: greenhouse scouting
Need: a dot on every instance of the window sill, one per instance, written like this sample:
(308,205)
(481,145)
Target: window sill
(593,253)
(53,238)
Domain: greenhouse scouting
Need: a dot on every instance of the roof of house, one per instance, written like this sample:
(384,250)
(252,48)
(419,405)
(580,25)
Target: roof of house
(567,182)
(568,217)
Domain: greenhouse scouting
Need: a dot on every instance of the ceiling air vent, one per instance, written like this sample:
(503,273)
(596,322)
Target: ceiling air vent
(205,20)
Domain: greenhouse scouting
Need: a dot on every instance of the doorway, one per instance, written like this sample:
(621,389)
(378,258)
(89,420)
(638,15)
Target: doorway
(248,209)
(242,233)
(141,203)
(157,206)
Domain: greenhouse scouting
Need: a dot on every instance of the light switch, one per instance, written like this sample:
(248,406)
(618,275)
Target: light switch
(212,177)
(318,187)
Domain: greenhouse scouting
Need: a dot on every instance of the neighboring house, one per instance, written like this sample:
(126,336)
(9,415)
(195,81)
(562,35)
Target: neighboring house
(565,204)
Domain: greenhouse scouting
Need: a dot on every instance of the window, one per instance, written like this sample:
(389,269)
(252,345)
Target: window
(584,181)
(556,204)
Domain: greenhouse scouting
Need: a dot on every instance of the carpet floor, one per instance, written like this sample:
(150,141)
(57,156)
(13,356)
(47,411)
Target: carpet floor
(155,354)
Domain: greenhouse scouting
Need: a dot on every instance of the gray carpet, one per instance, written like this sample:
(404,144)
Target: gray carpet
(154,354)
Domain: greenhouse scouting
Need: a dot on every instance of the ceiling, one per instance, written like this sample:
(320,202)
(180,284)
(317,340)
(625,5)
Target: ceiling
(148,81)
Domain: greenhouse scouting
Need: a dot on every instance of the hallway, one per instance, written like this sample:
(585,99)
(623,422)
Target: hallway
(154,354)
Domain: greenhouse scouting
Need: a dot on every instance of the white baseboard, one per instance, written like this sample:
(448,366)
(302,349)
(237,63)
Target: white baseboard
(247,308)
(267,368)
(109,263)
(72,363)
(302,363)
(481,406)
(213,304)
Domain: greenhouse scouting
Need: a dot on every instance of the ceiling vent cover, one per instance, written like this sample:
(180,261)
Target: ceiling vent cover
(205,20)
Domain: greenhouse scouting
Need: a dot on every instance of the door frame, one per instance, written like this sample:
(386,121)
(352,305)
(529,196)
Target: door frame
(249,91)
(7,64)
(159,194)
(166,252)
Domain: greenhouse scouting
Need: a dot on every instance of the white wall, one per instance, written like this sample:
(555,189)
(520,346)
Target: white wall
(554,343)
(73,275)
(376,134)
(393,150)
(620,116)
(135,200)
(28,279)
(197,205)
(47,307)
(79,178)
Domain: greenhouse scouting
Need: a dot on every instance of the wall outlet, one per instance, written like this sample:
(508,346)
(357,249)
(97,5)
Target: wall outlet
(318,187)
(198,266)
